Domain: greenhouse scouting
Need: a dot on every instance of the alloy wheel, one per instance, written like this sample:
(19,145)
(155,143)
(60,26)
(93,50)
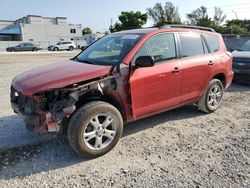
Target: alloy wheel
(214,97)
(100,132)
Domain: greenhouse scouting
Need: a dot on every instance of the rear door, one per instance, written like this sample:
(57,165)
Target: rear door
(197,65)
(31,46)
(158,87)
(28,47)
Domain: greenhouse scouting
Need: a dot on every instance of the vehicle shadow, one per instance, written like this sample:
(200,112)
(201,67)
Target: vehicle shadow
(43,154)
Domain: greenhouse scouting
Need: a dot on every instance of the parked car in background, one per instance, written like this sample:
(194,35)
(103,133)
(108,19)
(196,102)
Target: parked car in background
(23,47)
(241,63)
(84,48)
(123,77)
(62,46)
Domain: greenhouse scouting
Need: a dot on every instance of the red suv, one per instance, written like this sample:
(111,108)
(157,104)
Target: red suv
(123,77)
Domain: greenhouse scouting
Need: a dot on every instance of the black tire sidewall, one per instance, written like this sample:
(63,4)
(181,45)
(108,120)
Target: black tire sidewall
(81,119)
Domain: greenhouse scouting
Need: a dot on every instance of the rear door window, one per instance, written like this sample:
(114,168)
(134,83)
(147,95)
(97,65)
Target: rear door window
(213,42)
(190,44)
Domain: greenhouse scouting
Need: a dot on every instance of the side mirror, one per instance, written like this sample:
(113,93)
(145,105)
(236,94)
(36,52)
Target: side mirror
(145,61)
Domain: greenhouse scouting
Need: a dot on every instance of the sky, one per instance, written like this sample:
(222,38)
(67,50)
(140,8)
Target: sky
(97,14)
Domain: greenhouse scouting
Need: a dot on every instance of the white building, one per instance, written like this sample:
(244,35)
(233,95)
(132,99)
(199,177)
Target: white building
(39,30)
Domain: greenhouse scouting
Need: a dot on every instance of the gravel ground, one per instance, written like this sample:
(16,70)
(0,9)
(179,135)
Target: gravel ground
(179,148)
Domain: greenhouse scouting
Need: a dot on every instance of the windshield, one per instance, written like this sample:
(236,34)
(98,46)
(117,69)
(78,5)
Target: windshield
(245,47)
(109,50)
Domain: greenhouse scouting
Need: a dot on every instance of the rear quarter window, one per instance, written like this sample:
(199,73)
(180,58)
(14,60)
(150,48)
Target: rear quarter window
(213,42)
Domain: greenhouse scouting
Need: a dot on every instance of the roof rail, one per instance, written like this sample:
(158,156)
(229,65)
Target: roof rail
(188,26)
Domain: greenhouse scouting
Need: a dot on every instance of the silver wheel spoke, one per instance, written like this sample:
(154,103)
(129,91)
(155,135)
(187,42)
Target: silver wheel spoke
(95,122)
(210,101)
(215,102)
(109,134)
(215,89)
(107,121)
(210,94)
(98,142)
(90,135)
(218,94)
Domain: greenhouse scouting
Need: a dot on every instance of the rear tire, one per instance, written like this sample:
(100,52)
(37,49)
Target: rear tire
(71,48)
(211,99)
(95,129)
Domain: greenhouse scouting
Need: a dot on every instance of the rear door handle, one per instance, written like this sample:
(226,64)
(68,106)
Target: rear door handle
(176,70)
(210,62)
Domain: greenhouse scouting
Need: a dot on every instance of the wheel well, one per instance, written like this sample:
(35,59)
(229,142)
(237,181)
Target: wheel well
(222,78)
(89,97)
(96,95)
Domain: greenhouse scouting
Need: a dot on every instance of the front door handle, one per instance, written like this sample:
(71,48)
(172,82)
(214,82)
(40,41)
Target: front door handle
(176,70)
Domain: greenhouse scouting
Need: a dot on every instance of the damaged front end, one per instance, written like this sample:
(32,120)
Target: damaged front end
(44,112)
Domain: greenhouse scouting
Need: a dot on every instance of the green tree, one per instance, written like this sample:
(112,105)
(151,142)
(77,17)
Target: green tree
(200,17)
(106,32)
(86,30)
(219,17)
(168,14)
(129,20)
(236,29)
(241,23)
(231,29)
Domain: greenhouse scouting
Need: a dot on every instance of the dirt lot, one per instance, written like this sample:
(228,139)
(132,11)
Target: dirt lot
(180,148)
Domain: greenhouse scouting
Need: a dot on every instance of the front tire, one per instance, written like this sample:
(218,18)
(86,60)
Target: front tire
(71,48)
(95,129)
(56,49)
(211,99)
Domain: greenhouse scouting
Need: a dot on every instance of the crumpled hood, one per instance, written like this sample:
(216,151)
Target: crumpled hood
(57,75)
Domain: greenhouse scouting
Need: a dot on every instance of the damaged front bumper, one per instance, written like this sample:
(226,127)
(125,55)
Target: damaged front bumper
(38,120)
